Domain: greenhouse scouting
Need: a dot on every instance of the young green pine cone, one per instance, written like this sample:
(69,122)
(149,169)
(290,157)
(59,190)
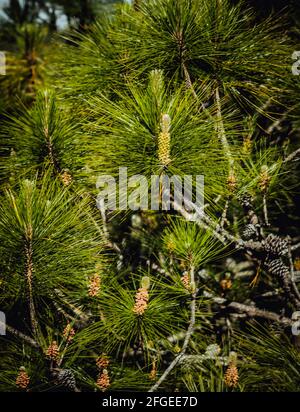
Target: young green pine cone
(232,182)
(264,179)
(164,140)
(247,145)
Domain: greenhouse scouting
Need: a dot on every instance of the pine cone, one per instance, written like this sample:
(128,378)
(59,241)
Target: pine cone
(275,245)
(250,232)
(66,378)
(246,201)
(277,267)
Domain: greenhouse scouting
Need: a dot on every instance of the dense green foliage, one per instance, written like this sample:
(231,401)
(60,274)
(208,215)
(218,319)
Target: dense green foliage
(142,299)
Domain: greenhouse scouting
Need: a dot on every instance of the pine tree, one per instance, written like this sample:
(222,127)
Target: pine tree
(154,299)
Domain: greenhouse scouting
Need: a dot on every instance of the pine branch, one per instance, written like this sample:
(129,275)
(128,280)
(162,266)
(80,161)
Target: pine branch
(276,124)
(28,277)
(222,133)
(112,245)
(259,313)
(292,156)
(187,78)
(265,209)
(224,214)
(181,335)
(254,312)
(188,81)
(292,272)
(296,246)
(20,335)
(273,264)
(188,336)
(197,217)
(136,4)
(52,157)
(84,318)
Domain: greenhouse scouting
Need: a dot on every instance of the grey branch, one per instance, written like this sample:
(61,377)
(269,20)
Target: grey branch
(254,312)
(20,335)
(188,336)
(291,156)
(112,245)
(29,281)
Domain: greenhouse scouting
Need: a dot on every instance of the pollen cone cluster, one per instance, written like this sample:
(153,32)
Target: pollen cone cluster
(185,279)
(231,377)
(142,297)
(153,372)
(68,333)
(94,285)
(226,284)
(102,362)
(264,179)
(53,351)
(164,140)
(66,178)
(247,145)
(23,379)
(141,301)
(297,264)
(103,381)
(232,182)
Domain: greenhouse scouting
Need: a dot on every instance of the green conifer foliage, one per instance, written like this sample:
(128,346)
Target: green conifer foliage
(25,65)
(49,247)
(99,299)
(38,136)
